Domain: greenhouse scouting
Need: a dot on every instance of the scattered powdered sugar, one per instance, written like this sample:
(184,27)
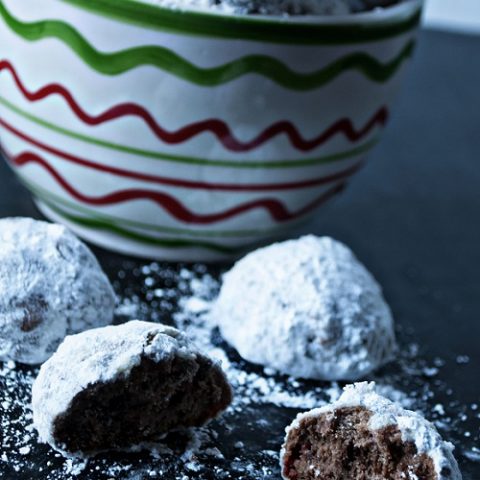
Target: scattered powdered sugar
(16,430)
(245,442)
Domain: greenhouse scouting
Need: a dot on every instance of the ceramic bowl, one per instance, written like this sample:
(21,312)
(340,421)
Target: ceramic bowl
(185,135)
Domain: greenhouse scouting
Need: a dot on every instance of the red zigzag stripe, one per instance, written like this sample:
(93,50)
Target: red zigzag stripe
(174,182)
(214,126)
(173,206)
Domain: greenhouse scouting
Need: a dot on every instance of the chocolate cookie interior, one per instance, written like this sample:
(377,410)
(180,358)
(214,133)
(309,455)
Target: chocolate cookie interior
(153,399)
(339,446)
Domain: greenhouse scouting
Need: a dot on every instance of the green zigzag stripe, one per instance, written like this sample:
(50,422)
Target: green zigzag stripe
(248,27)
(273,164)
(97,224)
(51,198)
(166,60)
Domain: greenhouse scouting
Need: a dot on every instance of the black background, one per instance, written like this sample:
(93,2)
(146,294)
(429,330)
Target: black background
(412,216)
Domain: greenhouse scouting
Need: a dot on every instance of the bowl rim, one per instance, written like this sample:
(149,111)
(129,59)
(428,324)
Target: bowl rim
(360,27)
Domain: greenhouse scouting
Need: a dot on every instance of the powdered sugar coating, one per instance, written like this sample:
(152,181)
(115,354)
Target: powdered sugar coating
(413,426)
(306,308)
(51,284)
(276,7)
(99,355)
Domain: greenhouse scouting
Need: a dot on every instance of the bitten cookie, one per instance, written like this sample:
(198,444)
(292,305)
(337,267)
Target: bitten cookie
(364,436)
(124,387)
(51,286)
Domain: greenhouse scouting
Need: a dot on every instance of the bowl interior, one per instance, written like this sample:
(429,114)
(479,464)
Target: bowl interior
(299,29)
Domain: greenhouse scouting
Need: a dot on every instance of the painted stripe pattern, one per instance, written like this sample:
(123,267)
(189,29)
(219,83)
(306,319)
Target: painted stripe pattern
(29,157)
(175,207)
(243,165)
(102,224)
(164,59)
(201,232)
(216,127)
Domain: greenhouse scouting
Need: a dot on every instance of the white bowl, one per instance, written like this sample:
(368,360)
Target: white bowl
(187,135)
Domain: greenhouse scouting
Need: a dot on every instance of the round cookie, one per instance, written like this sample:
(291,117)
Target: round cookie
(133,383)
(364,436)
(51,286)
(306,308)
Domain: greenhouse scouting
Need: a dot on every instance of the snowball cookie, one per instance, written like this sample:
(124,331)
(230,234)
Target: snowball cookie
(51,286)
(280,7)
(307,308)
(132,384)
(364,436)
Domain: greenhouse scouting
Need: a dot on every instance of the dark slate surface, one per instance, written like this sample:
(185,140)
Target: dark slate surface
(412,215)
